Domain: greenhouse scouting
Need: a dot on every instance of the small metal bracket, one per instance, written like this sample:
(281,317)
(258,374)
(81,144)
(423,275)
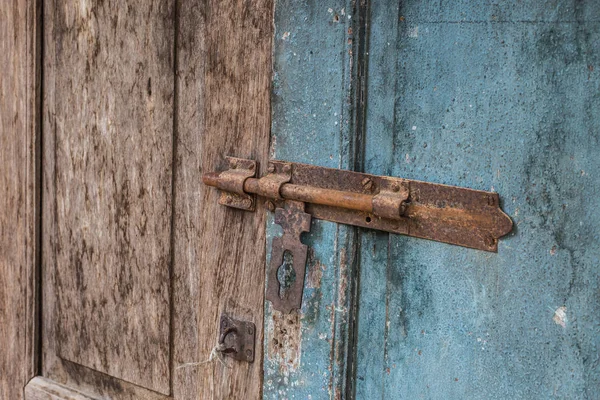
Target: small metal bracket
(238,338)
(294,221)
(232,184)
(270,184)
(390,202)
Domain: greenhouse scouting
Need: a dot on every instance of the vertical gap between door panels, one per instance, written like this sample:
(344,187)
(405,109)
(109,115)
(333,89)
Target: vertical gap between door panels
(173,177)
(38,184)
(361,47)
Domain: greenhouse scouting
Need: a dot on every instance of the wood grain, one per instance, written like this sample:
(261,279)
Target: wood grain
(223,83)
(19,172)
(108,143)
(45,389)
(222,103)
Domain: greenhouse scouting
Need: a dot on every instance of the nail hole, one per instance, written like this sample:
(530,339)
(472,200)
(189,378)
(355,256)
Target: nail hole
(368,219)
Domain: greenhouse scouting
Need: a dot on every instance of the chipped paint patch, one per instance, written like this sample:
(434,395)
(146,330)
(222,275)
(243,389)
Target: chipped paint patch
(315,273)
(284,341)
(413,32)
(560,316)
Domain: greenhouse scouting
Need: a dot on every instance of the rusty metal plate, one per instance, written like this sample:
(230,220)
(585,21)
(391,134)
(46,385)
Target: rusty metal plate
(232,184)
(237,338)
(294,221)
(460,216)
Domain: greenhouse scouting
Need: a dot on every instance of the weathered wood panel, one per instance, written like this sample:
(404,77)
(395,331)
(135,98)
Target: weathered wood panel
(19,135)
(107,190)
(306,351)
(223,82)
(496,97)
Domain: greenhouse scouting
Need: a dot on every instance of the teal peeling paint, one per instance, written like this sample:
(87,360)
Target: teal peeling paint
(490,95)
(499,97)
(311,100)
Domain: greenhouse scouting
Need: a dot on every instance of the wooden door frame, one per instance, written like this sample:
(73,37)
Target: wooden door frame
(21,170)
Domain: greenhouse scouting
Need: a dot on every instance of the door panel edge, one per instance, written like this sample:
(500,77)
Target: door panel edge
(40,388)
(19,207)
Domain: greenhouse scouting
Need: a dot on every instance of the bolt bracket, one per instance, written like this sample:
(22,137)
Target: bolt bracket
(231,182)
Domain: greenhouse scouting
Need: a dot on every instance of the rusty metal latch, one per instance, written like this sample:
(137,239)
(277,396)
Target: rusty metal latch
(237,338)
(297,192)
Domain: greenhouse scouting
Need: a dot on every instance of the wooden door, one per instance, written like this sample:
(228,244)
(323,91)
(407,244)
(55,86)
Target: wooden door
(498,96)
(135,100)
(138,100)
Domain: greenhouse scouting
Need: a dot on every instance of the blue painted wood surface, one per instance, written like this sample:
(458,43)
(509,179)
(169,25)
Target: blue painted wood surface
(490,95)
(500,96)
(306,352)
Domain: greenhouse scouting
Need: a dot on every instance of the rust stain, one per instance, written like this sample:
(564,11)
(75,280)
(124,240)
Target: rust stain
(313,296)
(315,272)
(339,319)
(332,349)
(344,276)
(285,339)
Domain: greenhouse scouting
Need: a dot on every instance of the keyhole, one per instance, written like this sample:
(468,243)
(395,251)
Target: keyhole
(286,274)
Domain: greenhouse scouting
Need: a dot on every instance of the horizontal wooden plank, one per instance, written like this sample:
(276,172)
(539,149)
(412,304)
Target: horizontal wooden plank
(40,388)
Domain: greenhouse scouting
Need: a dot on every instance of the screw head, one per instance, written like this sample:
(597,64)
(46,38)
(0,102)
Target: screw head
(248,353)
(233,164)
(250,330)
(489,241)
(287,168)
(367,184)
(271,168)
(395,187)
(251,167)
(228,200)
